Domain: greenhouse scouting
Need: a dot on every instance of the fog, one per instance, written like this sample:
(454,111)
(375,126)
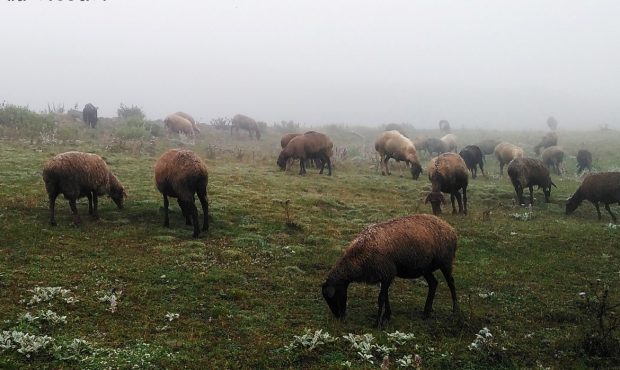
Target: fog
(475,63)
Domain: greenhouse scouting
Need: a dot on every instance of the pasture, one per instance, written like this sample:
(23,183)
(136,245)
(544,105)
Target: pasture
(243,290)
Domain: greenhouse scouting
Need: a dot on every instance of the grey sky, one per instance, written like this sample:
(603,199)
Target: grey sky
(475,63)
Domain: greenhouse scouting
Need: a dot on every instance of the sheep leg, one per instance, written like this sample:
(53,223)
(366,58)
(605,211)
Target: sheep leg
(481,164)
(447,274)
(194,212)
(184,211)
(432,287)
(52,199)
(387,168)
(89,195)
(383,301)
(519,191)
(598,210)
(329,165)
(204,202)
(465,200)
(76,217)
(613,217)
(501,169)
(381,158)
(302,166)
(166,205)
(95,203)
(452,197)
(320,158)
(460,201)
(531,195)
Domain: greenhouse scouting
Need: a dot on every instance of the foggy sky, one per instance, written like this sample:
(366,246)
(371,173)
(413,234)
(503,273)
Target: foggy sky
(474,63)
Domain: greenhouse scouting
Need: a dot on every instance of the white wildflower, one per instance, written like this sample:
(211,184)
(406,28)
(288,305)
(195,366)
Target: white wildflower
(172,316)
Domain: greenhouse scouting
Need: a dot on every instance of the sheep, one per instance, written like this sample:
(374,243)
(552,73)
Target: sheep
(393,144)
(75,175)
(527,172)
(444,126)
(472,155)
(597,187)
(434,145)
(506,152)
(553,158)
(406,247)
(179,174)
(450,139)
(177,124)
(89,115)
(396,126)
(550,139)
(448,174)
(552,123)
(284,142)
(246,123)
(487,146)
(310,145)
(584,161)
(190,119)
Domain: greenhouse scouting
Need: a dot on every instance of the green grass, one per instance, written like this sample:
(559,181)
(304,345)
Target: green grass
(251,283)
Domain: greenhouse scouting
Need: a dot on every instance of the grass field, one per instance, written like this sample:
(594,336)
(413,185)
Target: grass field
(247,287)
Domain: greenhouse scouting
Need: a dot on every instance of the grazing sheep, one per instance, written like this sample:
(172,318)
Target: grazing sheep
(310,145)
(181,174)
(597,187)
(406,247)
(89,115)
(553,158)
(584,161)
(179,125)
(487,146)
(444,126)
(76,175)
(392,144)
(448,174)
(190,119)
(246,123)
(396,126)
(550,139)
(472,155)
(552,123)
(506,152)
(527,172)
(284,142)
(434,145)
(450,139)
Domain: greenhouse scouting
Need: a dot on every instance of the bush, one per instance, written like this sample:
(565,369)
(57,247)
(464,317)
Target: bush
(130,112)
(16,121)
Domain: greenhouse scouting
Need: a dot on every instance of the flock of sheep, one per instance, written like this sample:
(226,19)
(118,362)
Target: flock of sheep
(407,247)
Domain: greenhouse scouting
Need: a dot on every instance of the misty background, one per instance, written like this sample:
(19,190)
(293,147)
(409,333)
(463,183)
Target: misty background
(478,64)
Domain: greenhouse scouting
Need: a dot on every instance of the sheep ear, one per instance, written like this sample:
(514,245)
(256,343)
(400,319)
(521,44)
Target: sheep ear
(328,291)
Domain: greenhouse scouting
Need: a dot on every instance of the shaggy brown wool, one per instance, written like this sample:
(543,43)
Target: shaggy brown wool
(450,140)
(407,247)
(240,121)
(473,157)
(393,144)
(448,174)
(553,158)
(550,139)
(506,152)
(603,187)
(178,125)
(310,145)
(76,175)
(527,173)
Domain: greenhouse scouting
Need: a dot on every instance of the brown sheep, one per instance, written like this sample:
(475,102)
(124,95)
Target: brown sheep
(552,123)
(584,161)
(472,155)
(76,175)
(434,145)
(190,119)
(487,146)
(89,115)
(181,174)
(444,126)
(310,145)
(597,187)
(506,152)
(550,139)
(393,144)
(450,139)
(246,123)
(286,138)
(179,125)
(406,247)
(553,158)
(448,174)
(527,172)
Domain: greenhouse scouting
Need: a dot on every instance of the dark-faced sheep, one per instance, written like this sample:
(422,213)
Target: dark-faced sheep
(450,139)
(179,125)
(527,173)
(506,152)
(240,121)
(487,146)
(407,247)
(76,175)
(603,187)
(392,144)
(181,174)
(553,158)
(550,139)
(584,161)
(190,119)
(472,155)
(89,115)
(448,174)
(434,145)
(310,145)
(444,126)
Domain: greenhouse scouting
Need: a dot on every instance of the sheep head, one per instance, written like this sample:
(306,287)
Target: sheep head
(336,297)
(416,170)
(436,199)
(117,192)
(282,158)
(572,203)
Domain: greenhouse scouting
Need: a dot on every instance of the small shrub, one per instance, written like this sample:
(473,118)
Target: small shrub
(599,336)
(125,112)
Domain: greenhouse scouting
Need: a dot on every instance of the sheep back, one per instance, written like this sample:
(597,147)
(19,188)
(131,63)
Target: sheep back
(549,139)
(177,124)
(584,160)
(487,146)
(529,172)
(596,187)
(190,119)
(395,145)
(434,145)
(178,173)
(472,155)
(311,144)
(450,139)
(286,138)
